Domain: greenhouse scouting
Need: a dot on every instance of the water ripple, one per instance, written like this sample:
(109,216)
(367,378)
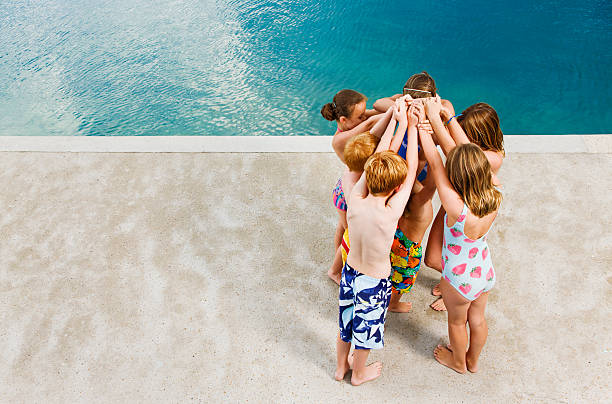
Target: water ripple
(237,67)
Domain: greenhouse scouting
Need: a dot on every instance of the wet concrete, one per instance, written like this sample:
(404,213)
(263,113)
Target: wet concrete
(178,277)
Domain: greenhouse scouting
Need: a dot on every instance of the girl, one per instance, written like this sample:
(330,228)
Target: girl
(348,109)
(478,124)
(471,202)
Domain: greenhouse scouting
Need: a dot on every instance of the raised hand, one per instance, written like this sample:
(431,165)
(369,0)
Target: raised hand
(399,112)
(433,107)
(413,115)
(421,111)
(407,98)
(425,126)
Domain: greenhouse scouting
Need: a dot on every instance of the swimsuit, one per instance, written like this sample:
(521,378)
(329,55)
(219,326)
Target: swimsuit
(338,196)
(405,257)
(405,262)
(466,263)
(345,246)
(363,303)
(402,152)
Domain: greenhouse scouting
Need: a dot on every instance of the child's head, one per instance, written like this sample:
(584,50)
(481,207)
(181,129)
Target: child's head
(469,172)
(481,125)
(385,171)
(421,81)
(348,108)
(358,149)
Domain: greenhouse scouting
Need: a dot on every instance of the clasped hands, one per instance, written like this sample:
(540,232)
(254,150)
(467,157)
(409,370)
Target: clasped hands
(419,111)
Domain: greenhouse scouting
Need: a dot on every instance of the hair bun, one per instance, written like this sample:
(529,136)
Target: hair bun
(329,112)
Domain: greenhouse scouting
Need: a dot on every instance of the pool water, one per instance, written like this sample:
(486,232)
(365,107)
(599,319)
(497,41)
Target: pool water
(173,67)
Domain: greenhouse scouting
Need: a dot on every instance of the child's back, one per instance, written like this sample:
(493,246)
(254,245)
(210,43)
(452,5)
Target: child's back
(374,207)
(418,214)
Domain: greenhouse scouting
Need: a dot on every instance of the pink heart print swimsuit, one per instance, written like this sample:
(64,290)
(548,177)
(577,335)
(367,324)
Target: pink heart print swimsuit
(466,263)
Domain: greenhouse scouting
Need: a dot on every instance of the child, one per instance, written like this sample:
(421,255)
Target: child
(348,109)
(406,252)
(374,207)
(420,85)
(478,124)
(360,147)
(471,202)
(406,255)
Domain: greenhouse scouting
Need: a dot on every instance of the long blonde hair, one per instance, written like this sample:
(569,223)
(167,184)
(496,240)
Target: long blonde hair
(481,125)
(469,172)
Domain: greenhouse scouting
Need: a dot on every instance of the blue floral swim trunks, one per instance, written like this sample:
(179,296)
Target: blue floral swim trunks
(363,305)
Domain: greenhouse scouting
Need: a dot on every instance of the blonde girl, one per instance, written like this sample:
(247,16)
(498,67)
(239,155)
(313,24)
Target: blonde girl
(471,202)
(478,124)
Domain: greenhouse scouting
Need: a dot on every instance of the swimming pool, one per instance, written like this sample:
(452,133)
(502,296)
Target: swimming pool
(265,68)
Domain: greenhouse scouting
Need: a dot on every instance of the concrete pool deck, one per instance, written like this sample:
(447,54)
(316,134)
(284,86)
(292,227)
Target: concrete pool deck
(201,276)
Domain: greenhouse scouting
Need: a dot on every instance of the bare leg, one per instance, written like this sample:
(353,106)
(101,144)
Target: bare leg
(361,372)
(478,331)
(335,271)
(458,307)
(433,254)
(396,306)
(342,351)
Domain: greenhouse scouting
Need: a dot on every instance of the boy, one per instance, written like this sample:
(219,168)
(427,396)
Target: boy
(374,207)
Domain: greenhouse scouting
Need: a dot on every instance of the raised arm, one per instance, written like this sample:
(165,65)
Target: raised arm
(383,122)
(385,140)
(341,138)
(372,112)
(456,131)
(360,189)
(452,202)
(398,201)
(383,104)
(433,107)
(400,113)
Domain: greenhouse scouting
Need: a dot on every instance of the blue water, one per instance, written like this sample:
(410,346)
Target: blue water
(135,67)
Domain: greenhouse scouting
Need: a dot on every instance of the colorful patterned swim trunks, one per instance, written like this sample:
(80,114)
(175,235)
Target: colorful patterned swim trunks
(338,196)
(363,303)
(406,258)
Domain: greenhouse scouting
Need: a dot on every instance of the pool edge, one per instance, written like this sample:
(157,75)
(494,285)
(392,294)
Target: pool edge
(531,144)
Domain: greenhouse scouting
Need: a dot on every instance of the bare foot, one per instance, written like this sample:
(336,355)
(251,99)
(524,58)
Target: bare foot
(436,290)
(445,357)
(341,371)
(438,305)
(334,276)
(400,307)
(369,373)
(472,366)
